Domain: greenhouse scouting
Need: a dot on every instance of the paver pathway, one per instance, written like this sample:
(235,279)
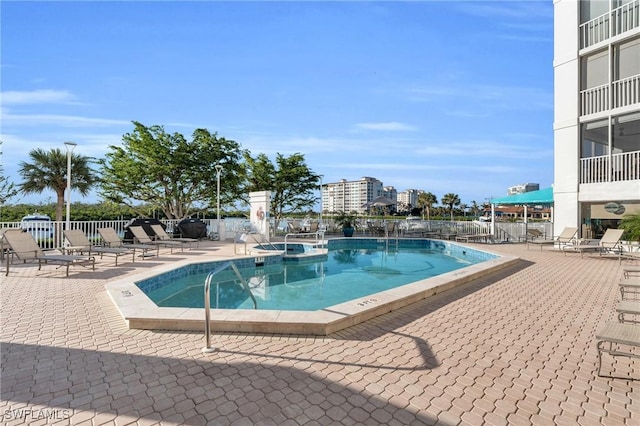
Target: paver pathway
(515,348)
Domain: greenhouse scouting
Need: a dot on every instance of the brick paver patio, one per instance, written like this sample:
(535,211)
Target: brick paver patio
(515,348)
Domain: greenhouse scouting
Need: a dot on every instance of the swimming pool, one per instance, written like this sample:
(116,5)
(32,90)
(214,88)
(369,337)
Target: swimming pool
(349,270)
(140,312)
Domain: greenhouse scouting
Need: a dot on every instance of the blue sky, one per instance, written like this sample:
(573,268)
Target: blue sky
(442,96)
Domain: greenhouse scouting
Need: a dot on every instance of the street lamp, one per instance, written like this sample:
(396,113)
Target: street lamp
(69,146)
(218,171)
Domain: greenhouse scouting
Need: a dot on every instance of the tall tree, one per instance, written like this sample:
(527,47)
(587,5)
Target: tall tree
(169,172)
(451,200)
(293,183)
(426,200)
(475,208)
(48,170)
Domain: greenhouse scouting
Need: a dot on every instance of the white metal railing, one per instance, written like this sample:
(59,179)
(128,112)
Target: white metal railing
(618,21)
(595,99)
(614,168)
(626,91)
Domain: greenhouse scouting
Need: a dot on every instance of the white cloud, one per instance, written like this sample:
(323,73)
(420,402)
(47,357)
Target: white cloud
(58,120)
(14,97)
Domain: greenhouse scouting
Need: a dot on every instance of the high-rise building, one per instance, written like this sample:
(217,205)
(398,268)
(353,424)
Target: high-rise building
(350,196)
(522,188)
(596,113)
(408,199)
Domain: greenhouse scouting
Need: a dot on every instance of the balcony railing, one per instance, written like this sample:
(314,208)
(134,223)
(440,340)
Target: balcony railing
(596,99)
(618,21)
(610,168)
(626,92)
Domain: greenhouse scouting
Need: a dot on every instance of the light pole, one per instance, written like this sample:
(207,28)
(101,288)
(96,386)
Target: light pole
(69,146)
(218,171)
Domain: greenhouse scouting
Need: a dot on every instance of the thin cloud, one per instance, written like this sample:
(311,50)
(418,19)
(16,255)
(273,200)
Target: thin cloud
(14,97)
(59,120)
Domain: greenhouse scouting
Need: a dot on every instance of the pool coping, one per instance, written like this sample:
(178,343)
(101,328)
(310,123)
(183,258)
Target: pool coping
(140,312)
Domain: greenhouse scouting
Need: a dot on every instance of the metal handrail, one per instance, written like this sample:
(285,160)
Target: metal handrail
(207,299)
(318,234)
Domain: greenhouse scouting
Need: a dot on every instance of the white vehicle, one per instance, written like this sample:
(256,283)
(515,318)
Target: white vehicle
(38,225)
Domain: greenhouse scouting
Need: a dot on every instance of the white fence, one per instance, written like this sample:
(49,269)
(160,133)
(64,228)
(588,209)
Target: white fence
(49,234)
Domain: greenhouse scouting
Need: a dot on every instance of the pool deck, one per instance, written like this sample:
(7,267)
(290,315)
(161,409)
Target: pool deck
(514,347)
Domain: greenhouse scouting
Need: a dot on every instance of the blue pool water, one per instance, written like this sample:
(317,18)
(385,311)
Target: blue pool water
(351,269)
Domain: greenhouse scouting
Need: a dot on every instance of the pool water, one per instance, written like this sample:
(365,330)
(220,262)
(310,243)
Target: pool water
(344,274)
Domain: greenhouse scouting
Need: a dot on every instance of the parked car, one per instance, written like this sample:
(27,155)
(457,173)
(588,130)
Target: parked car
(39,225)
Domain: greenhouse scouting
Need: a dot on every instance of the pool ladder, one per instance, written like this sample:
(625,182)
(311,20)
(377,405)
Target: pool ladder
(207,299)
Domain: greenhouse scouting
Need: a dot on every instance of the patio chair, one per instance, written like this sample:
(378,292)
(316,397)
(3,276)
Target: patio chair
(111,239)
(609,243)
(78,242)
(618,339)
(629,271)
(142,237)
(567,235)
(162,235)
(23,246)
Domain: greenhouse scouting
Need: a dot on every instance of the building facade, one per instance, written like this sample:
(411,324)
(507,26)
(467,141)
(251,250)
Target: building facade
(350,196)
(596,113)
(408,199)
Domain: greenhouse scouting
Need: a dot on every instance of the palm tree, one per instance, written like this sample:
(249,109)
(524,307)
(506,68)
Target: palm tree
(451,200)
(48,170)
(475,208)
(426,200)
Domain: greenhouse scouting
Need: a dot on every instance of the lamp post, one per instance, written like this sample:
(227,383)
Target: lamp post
(69,146)
(218,171)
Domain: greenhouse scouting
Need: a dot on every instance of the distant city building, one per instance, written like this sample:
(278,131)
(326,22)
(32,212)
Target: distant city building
(408,199)
(390,192)
(350,196)
(522,188)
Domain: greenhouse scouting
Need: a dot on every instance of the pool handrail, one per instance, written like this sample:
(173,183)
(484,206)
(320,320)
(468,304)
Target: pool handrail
(207,299)
(318,234)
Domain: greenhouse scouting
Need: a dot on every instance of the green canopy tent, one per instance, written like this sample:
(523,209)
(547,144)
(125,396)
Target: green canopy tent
(531,198)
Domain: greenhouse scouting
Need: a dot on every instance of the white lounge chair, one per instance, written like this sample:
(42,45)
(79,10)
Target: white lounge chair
(618,339)
(609,243)
(567,235)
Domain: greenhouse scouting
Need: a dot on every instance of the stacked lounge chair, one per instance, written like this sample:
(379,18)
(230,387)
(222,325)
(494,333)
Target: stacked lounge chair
(622,338)
(567,235)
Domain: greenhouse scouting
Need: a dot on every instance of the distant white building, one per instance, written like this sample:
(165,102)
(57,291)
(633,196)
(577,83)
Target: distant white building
(596,113)
(390,192)
(522,188)
(408,199)
(350,196)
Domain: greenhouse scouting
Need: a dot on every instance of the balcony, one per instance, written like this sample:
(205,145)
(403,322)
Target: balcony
(610,168)
(596,99)
(618,21)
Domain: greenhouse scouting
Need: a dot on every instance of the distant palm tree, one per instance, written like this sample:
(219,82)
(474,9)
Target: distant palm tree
(426,200)
(475,208)
(451,200)
(48,170)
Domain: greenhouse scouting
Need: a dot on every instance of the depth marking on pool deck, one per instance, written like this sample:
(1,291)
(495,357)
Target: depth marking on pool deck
(367,302)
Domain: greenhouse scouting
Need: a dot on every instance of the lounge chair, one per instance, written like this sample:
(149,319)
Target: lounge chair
(628,307)
(111,239)
(79,243)
(618,339)
(567,235)
(142,237)
(629,285)
(23,246)
(629,271)
(609,243)
(162,235)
